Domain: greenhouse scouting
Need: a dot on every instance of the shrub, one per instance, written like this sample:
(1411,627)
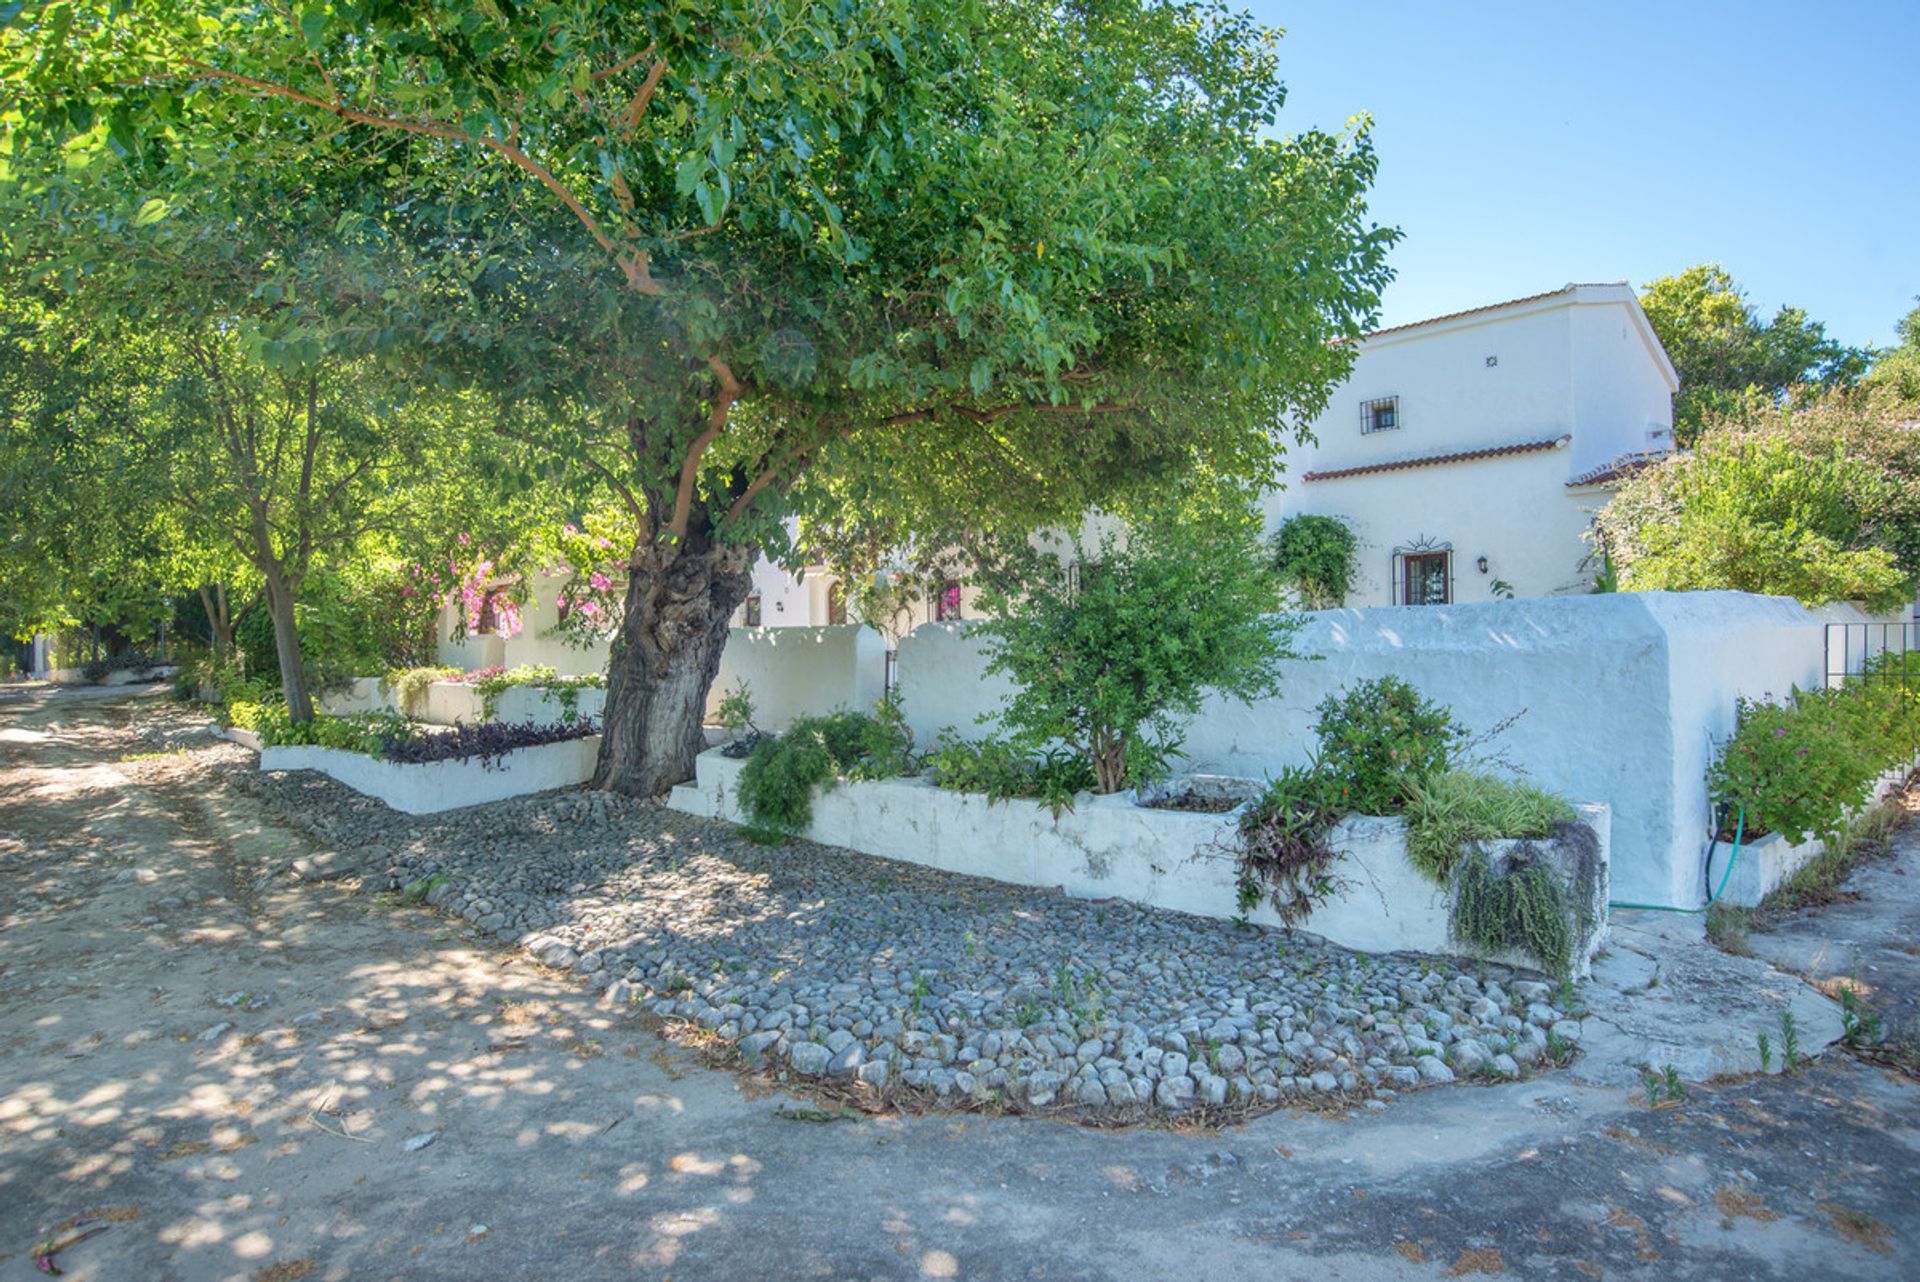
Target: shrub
(1797,768)
(1313,555)
(1447,810)
(367,732)
(1283,854)
(777,784)
(1378,737)
(1001,771)
(1144,631)
(735,710)
(488,741)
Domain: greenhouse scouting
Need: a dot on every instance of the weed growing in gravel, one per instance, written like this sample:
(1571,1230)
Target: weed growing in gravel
(1789,1042)
(1766,1054)
(921,991)
(1860,1024)
(418,891)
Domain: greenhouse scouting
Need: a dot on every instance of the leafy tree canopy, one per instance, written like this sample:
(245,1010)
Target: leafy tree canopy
(915,256)
(1820,503)
(1726,352)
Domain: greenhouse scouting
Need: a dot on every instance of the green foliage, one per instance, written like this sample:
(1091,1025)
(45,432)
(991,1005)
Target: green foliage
(366,732)
(1283,854)
(1521,909)
(1447,810)
(1002,770)
(1727,355)
(777,784)
(495,684)
(735,710)
(1820,503)
(1799,767)
(1376,739)
(1314,556)
(409,686)
(1179,610)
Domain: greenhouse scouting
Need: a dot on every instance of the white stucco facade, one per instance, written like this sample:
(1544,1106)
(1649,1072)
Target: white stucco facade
(1482,423)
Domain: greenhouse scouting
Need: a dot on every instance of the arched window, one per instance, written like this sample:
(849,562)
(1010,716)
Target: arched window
(1423,573)
(836,602)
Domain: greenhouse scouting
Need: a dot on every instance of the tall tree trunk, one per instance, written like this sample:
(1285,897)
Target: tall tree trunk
(213,599)
(286,644)
(679,600)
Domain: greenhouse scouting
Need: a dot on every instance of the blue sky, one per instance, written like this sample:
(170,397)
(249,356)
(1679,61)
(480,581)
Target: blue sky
(1526,145)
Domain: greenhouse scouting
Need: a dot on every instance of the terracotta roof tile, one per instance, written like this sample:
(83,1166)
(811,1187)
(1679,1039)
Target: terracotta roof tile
(1623,466)
(1435,460)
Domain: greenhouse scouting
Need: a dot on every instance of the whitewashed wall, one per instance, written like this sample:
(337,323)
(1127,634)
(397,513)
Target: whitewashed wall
(1624,695)
(797,672)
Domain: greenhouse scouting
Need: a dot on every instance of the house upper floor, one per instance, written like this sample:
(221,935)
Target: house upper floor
(1580,362)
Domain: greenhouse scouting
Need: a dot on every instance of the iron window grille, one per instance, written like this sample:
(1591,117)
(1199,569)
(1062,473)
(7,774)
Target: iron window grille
(1382,415)
(1422,573)
(753,611)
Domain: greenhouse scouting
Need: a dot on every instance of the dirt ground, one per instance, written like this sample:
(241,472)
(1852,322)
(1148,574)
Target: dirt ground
(210,1069)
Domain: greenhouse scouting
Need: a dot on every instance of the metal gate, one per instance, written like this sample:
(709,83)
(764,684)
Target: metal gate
(1878,654)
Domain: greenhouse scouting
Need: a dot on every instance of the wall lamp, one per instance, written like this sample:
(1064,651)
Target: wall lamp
(1482,563)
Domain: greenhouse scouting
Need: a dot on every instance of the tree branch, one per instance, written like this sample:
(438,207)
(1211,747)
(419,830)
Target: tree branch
(690,465)
(634,266)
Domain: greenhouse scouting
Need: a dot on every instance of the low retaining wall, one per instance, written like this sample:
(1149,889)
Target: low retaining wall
(1111,847)
(447,702)
(427,787)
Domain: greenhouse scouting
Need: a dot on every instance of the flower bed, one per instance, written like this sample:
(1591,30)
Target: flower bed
(1766,863)
(424,787)
(1114,847)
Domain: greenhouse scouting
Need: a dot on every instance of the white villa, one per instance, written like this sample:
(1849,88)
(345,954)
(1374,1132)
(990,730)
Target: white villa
(1469,451)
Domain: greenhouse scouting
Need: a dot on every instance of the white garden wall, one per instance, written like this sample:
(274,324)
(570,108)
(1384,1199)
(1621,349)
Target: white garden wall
(428,787)
(1111,847)
(1625,696)
(798,672)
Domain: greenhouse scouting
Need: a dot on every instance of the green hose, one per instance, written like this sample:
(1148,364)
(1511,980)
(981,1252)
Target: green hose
(1739,831)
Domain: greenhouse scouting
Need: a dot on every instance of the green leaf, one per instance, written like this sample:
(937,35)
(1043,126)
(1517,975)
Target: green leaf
(313,27)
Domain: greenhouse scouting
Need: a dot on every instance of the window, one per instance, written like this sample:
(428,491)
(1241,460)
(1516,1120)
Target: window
(1427,578)
(1382,415)
(753,611)
(837,602)
(947,604)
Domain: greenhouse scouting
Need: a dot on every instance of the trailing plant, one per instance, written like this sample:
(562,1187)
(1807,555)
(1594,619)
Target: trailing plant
(1283,853)
(409,686)
(1447,810)
(1101,658)
(1376,738)
(495,684)
(1521,909)
(1314,556)
(776,786)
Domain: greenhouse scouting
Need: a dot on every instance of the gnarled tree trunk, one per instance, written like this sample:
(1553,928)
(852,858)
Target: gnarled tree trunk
(680,598)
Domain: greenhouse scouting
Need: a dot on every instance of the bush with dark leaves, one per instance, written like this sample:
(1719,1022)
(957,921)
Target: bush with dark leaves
(488,741)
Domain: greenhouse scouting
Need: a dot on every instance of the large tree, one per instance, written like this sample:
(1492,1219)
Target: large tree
(1728,355)
(751,256)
